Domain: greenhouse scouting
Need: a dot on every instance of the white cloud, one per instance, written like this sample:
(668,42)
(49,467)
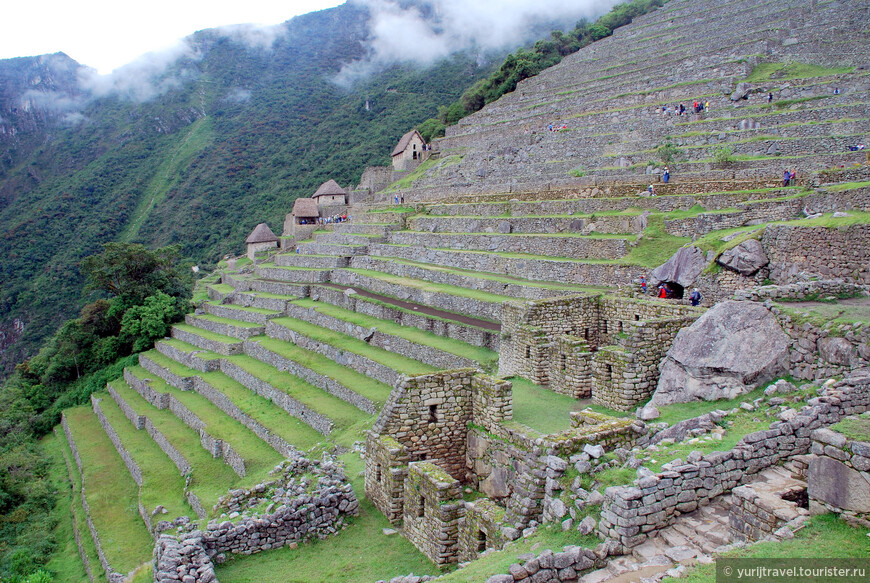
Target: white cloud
(405,34)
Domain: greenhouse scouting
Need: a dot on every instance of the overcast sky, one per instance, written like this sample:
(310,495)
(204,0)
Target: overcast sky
(106,34)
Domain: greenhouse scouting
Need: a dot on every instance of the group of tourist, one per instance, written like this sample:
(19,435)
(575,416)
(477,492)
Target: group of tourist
(697,107)
(399,199)
(557,128)
(788,178)
(332,219)
(666,292)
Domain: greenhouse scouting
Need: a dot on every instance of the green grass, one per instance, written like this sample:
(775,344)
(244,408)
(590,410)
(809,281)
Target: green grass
(368,387)
(359,554)
(791,71)
(541,409)
(549,536)
(66,563)
(826,315)
(655,246)
(111,494)
(825,536)
(847,186)
(341,413)
(259,457)
(854,428)
(227,321)
(199,135)
(487,358)
(399,363)
(262,311)
(162,484)
(211,478)
(208,335)
(432,287)
(567,287)
(188,348)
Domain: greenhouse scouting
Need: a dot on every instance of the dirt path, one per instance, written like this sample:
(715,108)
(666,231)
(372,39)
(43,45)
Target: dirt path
(486,325)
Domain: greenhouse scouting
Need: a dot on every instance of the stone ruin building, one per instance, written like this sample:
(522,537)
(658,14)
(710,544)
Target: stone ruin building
(599,346)
(261,239)
(441,432)
(409,152)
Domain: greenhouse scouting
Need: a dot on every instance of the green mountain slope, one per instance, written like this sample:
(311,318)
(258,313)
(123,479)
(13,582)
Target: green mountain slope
(241,133)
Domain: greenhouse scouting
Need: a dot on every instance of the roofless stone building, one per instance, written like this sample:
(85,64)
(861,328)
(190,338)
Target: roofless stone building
(409,152)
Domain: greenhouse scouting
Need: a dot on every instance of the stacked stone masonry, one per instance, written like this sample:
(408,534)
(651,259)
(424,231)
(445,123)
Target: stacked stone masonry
(631,513)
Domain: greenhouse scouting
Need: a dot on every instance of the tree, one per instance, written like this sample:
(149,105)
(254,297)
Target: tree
(146,323)
(132,272)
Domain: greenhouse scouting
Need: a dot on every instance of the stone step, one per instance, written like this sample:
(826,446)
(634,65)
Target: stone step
(483,305)
(189,355)
(556,224)
(530,268)
(511,286)
(402,342)
(201,338)
(371,228)
(310,261)
(346,239)
(242,313)
(227,327)
(556,245)
(387,308)
(263,300)
(330,249)
(292,274)
(268,286)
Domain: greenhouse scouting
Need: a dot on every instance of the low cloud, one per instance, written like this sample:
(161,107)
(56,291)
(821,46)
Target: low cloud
(434,29)
(52,101)
(238,95)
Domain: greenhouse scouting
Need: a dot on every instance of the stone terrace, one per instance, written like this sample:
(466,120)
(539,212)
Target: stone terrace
(610,96)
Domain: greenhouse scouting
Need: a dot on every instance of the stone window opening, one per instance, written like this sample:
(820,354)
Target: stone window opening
(378,476)
(433,413)
(637,317)
(421,509)
(564,362)
(609,372)
(586,334)
(605,326)
(619,327)
(528,351)
(481,541)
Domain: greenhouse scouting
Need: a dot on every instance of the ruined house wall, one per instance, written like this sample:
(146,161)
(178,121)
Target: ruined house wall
(480,529)
(433,508)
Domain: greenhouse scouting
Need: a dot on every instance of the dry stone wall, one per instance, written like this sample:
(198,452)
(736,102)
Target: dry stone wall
(841,253)
(258,351)
(112,575)
(317,421)
(77,535)
(216,447)
(427,354)
(449,328)
(549,246)
(631,513)
(432,511)
(839,476)
(357,362)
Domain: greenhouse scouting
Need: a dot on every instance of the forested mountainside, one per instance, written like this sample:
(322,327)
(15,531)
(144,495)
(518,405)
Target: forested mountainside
(237,132)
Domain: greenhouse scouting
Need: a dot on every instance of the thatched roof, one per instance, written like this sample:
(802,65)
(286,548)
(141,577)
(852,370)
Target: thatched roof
(305,208)
(261,234)
(404,141)
(330,188)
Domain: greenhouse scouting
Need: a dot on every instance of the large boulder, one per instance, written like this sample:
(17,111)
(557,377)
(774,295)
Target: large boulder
(730,350)
(746,258)
(683,267)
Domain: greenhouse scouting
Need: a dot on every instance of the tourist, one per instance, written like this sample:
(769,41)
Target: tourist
(695,296)
(792,178)
(663,292)
(642,285)
(652,190)
(682,109)
(706,107)
(666,175)
(769,97)
(786,178)
(396,199)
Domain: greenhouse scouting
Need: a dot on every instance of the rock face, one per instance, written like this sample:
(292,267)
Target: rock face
(839,485)
(683,267)
(837,351)
(746,258)
(741,91)
(728,351)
